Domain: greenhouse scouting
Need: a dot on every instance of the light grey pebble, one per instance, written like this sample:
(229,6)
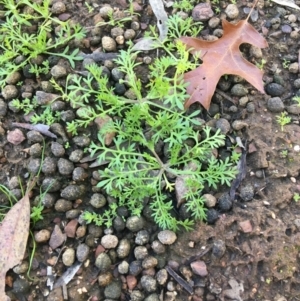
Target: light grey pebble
(135,223)
(65,167)
(35,150)
(219,248)
(149,262)
(256,52)
(63,205)
(171,286)
(274,89)
(224,125)
(123,248)
(210,200)
(73,213)
(98,200)
(58,129)
(119,223)
(34,165)
(79,174)
(250,107)
(68,257)
(275,105)
(294,68)
(167,237)
(214,22)
(129,34)
(135,267)
(58,8)
(232,11)
(142,237)
(148,283)
(48,200)
(239,90)
(21,268)
(82,141)
(34,137)
(162,276)
(247,193)
(13,78)
(105,11)
(42,236)
(49,166)
(57,149)
(9,92)
(58,71)
(76,155)
(109,241)
(103,262)
(67,116)
(109,44)
(123,267)
(14,182)
(297,83)
(116,31)
(51,184)
(116,74)
(243,101)
(113,290)
(72,192)
(152,297)
(140,252)
(137,295)
(293,109)
(82,252)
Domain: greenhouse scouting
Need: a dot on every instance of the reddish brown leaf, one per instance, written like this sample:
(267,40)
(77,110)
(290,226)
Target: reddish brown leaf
(222,57)
(14,232)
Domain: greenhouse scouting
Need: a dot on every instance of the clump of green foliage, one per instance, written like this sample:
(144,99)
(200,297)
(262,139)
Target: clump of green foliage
(185,5)
(135,172)
(18,46)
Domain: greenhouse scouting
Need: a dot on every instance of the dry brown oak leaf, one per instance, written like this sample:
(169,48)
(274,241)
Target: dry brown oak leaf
(14,231)
(222,57)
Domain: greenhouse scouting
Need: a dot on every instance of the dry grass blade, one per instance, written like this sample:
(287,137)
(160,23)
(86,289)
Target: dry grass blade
(14,232)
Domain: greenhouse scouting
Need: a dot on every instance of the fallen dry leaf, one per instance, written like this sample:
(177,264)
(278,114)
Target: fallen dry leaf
(14,232)
(289,3)
(222,57)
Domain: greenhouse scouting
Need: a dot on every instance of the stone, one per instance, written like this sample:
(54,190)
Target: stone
(202,12)
(167,237)
(274,89)
(199,268)
(275,105)
(232,11)
(109,241)
(57,238)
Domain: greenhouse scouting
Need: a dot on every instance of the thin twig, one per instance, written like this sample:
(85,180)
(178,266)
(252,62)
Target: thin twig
(225,95)
(180,280)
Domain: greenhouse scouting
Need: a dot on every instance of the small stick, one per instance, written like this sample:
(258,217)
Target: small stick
(180,280)
(225,95)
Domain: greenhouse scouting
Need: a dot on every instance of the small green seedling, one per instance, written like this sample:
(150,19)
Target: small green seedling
(296,197)
(297,99)
(284,153)
(283,119)
(286,63)
(261,64)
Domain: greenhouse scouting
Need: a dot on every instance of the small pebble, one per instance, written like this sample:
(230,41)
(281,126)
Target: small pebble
(58,71)
(68,257)
(42,236)
(109,241)
(202,12)
(274,89)
(82,252)
(15,137)
(199,268)
(109,44)
(210,200)
(149,284)
(9,92)
(275,105)
(103,262)
(167,237)
(232,11)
